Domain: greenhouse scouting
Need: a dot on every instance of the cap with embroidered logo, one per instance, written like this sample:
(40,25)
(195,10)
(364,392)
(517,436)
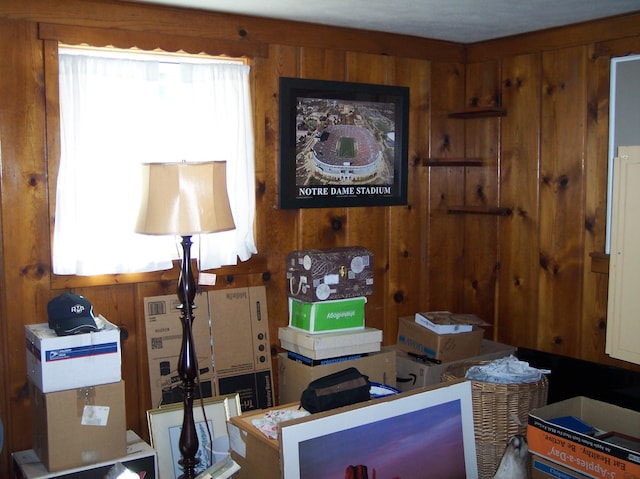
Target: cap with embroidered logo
(71,313)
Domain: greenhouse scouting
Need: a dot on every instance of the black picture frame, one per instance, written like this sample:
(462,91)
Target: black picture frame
(342,144)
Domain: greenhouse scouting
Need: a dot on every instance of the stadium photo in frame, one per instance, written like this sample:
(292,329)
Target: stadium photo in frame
(342,144)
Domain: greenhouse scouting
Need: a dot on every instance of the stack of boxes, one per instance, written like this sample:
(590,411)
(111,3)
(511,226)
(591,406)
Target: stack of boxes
(425,351)
(77,404)
(327,292)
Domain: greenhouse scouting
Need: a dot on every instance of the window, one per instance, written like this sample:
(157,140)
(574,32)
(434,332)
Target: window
(120,110)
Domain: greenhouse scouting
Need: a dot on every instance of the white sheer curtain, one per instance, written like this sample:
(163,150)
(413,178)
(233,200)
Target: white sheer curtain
(117,113)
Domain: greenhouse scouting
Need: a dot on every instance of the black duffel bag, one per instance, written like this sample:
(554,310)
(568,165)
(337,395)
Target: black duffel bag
(339,389)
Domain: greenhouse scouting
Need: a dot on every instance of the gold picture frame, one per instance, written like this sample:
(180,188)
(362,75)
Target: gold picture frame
(165,424)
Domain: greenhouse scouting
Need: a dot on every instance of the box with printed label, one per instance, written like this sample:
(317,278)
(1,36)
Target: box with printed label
(141,459)
(56,363)
(294,377)
(611,449)
(231,335)
(164,340)
(414,373)
(415,338)
(327,316)
(332,273)
(78,427)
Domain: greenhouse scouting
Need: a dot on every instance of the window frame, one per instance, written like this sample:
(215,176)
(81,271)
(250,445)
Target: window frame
(53,36)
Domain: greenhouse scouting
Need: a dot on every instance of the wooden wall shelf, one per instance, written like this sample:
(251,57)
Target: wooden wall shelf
(483,112)
(479,210)
(453,162)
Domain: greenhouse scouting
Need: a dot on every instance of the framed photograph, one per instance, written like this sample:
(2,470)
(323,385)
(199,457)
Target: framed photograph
(165,425)
(401,436)
(342,144)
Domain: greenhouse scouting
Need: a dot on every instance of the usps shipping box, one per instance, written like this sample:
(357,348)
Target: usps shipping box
(140,458)
(610,449)
(57,363)
(78,427)
(294,376)
(413,373)
(414,338)
(164,340)
(241,345)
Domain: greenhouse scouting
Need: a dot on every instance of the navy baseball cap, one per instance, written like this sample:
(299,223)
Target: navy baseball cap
(71,313)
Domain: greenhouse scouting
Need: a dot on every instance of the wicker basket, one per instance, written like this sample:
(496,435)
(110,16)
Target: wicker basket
(499,412)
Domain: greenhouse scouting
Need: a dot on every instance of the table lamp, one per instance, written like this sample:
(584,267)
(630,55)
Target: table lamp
(185,199)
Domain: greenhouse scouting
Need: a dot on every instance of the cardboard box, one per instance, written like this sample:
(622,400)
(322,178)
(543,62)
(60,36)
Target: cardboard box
(583,453)
(256,454)
(164,340)
(413,373)
(327,316)
(446,347)
(78,427)
(333,273)
(330,345)
(241,345)
(294,377)
(544,469)
(231,334)
(56,363)
(140,458)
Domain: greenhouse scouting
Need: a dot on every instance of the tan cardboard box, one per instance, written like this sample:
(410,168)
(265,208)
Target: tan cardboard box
(241,345)
(164,340)
(415,338)
(413,373)
(77,427)
(587,454)
(294,377)
(256,454)
(231,334)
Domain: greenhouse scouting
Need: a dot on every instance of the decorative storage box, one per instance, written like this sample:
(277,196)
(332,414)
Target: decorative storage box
(327,316)
(335,273)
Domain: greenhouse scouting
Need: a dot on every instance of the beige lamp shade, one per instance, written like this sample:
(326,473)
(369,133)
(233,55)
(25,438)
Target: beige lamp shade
(184,199)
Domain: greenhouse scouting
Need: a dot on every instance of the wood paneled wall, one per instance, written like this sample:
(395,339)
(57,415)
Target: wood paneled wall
(528,273)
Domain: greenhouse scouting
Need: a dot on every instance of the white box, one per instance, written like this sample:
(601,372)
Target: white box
(57,363)
(330,345)
(141,459)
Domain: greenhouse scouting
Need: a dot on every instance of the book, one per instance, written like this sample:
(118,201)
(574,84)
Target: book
(444,322)
(319,362)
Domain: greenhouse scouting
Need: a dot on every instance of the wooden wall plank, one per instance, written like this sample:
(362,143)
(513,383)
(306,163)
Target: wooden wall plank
(25,222)
(481,189)
(519,189)
(445,243)
(561,199)
(369,227)
(407,228)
